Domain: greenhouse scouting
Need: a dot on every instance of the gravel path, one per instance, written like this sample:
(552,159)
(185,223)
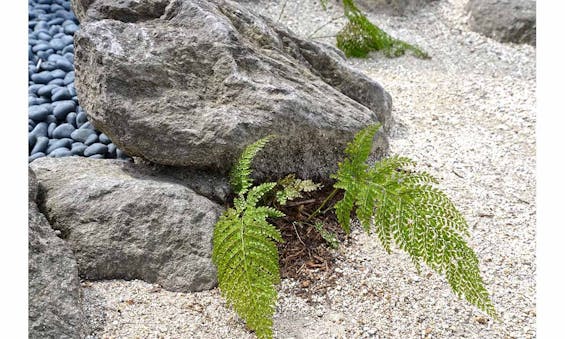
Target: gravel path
(468,117)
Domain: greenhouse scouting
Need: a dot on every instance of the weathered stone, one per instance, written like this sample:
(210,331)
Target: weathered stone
(124,10)
(195,85)
(55,301)
(124,221)
(393,7)
(504,20)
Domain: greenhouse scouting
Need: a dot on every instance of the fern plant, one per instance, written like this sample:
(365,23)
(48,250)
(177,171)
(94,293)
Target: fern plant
(399,204)
(244,249)
(359,37)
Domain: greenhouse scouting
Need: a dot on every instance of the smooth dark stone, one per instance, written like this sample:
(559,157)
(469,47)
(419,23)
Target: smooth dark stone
(58,74)
(44,55)
(34,88)
(121,154)
(63,131)
(56,21)
(96,156)
(42,101)
(69,78)
(56,7)
(72,89)
(31,122)
(91,139)
(44,2)
(35,156)
(29,128)
(45,91)
(55,57)
(65,14)
(32,100)
(60,153)
(57,44)
(50,118)
(72,119)
(81,118)
(66,143)
(82,134)
(58,82)
(58,35)
(55,29)
(78,150)
(31,140)
(104,139)
(40,130)
(38,113)
(40,26)
(112,149)
(44,36)
(65,65)
(50,129)
(68,48)
(87,125)
(40,145)
(70,29)
(62,108)
(40,47)
(47,66)
(70,57)
(96,148)
(61,94)
(42,77)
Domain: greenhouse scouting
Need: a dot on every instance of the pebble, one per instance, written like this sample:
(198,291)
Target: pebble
(78,150)
(104,139)
(62,108)
(31,140)
(40,145)
(50,129)
(82,134)
(63,131)
(58,74)
(66,143)
(61,94)
(91,139)
(81,118)
(60,152)
(96,148)
(40,130)
(38,113)
(46,90)
(70,77)
(72,119)
(58,82)
(42,77)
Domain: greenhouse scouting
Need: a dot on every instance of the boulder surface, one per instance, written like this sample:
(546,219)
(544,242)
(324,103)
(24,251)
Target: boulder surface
(54,295)
(202,79)
(504,20)
(124,222)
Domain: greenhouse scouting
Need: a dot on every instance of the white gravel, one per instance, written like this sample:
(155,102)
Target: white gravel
(468,117)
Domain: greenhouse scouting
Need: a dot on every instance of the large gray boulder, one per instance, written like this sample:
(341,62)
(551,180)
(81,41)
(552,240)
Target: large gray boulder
(197,83)
(54,295)
(125,222)
(393,7)
(504,20)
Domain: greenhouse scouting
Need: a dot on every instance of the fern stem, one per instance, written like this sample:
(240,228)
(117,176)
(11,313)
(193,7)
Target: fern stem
(317,211)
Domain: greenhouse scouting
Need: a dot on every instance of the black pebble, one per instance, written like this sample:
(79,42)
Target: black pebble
(66,143)
(60,153)
(82,134)
(63,131)
(40,130)
(104,139)
(40,145)
(35,156)
(50,129)
(42,77)
(91,139)
(38,113)
(61,94)
(62,108)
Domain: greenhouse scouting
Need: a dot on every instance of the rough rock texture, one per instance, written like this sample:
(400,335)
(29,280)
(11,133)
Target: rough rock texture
(195,85)
(122,221)
(504,20)
(55,301)
(123,10)
(394,7)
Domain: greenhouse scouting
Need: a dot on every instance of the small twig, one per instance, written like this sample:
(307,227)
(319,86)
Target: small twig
(296,231)
(298,203)
(322,205)
(324,25)
(282,10)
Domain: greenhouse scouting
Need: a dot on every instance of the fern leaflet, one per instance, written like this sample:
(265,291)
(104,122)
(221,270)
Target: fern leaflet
(245,252)
(403,205)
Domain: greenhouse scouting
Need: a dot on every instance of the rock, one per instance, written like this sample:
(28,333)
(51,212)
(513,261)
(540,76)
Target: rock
(82,134)
(104,139)
(175,92)
(62,143)
(96,148)
(126,10)
(54,294)
(40,145)
(35,156)
(38,113)
(393,7)
(63,131)
(504,20)
(40,130)
(124,221)
(42,77)
(60,153)
(62,108)
(91,139)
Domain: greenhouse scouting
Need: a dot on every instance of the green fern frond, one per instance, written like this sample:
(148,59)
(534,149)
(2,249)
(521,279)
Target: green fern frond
(328,236)
(292,188)
(359,37)
(240,175)
(401,204)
